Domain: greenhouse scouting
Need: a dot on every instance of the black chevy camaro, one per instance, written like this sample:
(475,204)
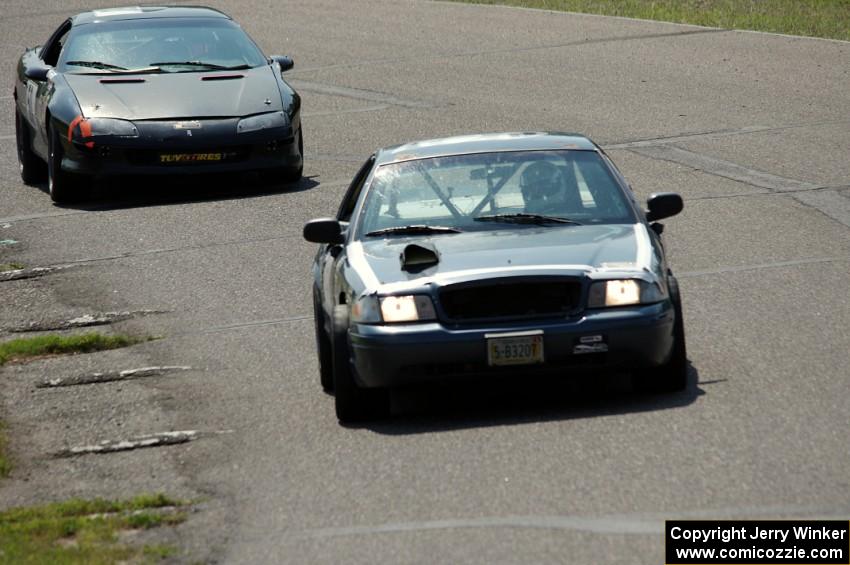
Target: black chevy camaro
(152,90)
(520,253)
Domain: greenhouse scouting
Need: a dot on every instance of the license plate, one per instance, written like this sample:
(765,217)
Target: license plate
(191,158)
(521,348)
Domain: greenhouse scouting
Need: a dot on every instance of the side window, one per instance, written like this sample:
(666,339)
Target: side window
(51,50)
(354,189)
(598,186)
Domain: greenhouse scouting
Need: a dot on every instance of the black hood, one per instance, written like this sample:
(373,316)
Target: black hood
(177,95)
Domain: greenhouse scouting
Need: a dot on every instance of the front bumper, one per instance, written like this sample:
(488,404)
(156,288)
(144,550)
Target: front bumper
(389,356)
(161,149)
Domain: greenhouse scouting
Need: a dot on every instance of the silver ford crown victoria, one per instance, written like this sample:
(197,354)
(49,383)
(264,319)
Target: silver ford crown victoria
(511,253)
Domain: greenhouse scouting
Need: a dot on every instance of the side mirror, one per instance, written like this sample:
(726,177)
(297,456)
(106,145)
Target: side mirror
(37,72)
(284,61)
(662,205)
(324,230)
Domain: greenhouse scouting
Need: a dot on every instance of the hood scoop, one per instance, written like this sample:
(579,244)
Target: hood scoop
(121,80)
(222,77)
(417,257)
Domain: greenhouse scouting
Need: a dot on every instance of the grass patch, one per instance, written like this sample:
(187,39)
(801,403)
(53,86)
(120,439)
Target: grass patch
(10,267)
(28,347)
(85,531)
(158,552)
(5,466)
(815,18)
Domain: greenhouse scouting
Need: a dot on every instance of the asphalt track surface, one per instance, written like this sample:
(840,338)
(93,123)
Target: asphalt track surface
(752,129)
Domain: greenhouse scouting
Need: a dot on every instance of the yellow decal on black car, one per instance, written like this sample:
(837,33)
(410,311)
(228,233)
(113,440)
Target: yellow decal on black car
(189,157)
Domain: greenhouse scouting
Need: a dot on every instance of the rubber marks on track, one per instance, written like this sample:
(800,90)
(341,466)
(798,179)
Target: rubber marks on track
(360,94)
(725,169)
(833,202)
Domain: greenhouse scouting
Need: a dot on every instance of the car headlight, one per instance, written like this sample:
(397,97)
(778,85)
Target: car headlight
(112,127)
(626,292)
(262,121)
(393,309)
(84,130)
(411,308)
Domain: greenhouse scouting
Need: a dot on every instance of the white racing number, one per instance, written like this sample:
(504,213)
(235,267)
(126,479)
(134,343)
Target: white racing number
(32,94)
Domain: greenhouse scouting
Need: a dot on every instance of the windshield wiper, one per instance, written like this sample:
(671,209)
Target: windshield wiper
(212,66)
(414,230)
(113,68)
(96,65)
(523,218)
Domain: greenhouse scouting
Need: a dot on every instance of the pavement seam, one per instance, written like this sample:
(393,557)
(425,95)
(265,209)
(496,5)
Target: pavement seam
(462,54)
(338,157)
(111,376)
(27,217)
(363,94)
(642,20)
(35,15)
(762,266)
(377,108)
(138,442)
(85,321)
(723,168)
(713,134)
(245,325)
(765,192)
(827,200)
(31,273)
(635,524)
(107,207)
(131,254)
(160,439)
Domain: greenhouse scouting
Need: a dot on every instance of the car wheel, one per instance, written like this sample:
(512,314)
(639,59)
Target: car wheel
(32,168)
(353,403)
(63,186)
(323,348)
(294,175)
(673,375)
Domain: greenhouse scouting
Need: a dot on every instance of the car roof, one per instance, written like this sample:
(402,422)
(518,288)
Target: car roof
(146,12)
(484,143)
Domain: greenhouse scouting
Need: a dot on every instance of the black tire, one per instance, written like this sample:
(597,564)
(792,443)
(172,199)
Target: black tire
(323,348)
(63,186)
(33,169)
(353,403)
(673,375)
(294,175)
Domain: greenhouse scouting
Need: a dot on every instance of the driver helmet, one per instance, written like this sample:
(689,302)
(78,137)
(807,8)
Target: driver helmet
(541,185)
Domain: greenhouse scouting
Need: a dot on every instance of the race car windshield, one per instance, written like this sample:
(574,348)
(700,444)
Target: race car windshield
(160,45)
(495,191)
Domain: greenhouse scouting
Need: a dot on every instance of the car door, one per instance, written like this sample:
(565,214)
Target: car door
(37,93)
(331,255)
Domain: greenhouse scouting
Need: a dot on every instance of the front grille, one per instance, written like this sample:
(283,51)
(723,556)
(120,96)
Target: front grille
(511,298)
